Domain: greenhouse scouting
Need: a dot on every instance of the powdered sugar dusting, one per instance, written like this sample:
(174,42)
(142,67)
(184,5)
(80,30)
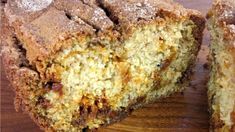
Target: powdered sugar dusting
(99,17)
(231,28)
(227,14)
(140,9)
(33,5)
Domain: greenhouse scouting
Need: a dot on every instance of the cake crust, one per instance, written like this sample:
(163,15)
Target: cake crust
(37,34)
(35,26)
(224,11)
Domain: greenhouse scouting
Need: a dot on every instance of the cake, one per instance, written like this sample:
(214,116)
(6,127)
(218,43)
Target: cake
(79,64)
(221,86)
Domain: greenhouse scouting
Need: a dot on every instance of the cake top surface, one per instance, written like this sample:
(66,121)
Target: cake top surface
(99,14)
(224,11)
(44,25)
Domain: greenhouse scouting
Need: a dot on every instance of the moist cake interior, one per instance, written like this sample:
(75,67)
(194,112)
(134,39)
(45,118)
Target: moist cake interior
(149,63)
(221,84)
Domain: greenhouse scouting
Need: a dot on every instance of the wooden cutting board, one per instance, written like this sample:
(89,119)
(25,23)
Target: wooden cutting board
(187,111)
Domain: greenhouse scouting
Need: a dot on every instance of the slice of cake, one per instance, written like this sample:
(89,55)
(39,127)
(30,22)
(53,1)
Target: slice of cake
(79,64)
(221,87)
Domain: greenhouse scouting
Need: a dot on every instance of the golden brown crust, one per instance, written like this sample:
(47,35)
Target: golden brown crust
(46,29)
(127,13)
(87,11)
(130,11)
(21,75)
(21,79)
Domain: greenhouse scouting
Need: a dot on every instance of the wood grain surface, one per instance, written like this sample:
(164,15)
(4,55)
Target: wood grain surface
(187,111)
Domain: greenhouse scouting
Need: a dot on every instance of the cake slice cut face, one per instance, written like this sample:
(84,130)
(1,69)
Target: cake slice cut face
(86,64)
(221,87)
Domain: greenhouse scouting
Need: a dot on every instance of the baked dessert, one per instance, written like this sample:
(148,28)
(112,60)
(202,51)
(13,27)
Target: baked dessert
(79,64)
(221,87)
